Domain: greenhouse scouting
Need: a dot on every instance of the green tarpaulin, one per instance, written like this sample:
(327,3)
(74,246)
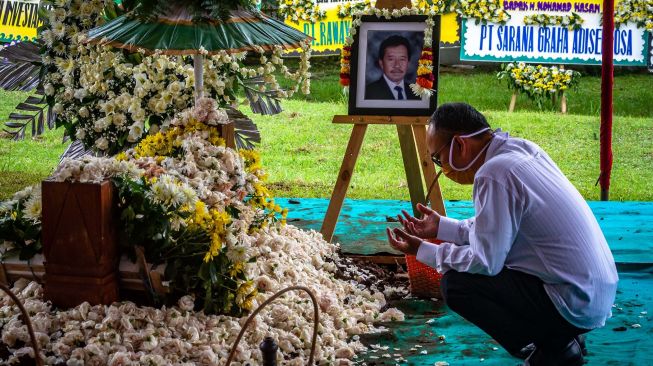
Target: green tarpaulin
(625,340)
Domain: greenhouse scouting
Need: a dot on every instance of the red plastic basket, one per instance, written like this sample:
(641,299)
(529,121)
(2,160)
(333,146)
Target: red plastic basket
(424,280)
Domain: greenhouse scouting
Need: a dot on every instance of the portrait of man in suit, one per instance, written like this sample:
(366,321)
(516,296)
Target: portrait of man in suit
(394,58)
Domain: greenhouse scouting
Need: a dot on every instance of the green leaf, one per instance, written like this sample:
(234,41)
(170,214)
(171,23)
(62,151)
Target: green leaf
(128,214)
(204,272)
(213,272)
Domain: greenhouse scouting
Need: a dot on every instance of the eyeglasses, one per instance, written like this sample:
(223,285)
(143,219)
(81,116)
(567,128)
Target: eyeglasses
(435,157)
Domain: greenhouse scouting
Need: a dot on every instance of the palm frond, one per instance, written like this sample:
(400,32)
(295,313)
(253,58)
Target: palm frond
(76,150)
(21,69)
(34,112)
(247,134)
(265,103)
(20,66)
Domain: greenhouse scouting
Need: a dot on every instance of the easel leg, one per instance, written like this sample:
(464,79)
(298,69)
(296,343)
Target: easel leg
(563,103)
(513,101)
(342,183)
(435,196)
(411,165)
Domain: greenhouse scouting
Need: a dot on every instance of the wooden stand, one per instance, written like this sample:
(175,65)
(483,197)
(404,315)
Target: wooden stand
(417,162)
(513,101)
(563,99)
(563,102)
(79,243)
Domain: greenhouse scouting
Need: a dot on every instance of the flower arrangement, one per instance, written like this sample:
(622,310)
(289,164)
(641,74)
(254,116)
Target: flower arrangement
(423,85)
(538,82)
(190,202)
(201,209)
(482,10)
(109,100)
(572,21)
(349,9)
(425,77)
(430,6)
(638,11)
(345,60)
(296,10)
(20,224)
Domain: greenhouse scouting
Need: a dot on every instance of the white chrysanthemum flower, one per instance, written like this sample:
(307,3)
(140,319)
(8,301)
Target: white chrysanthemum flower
(33,206)
(165,191)
(48,89)
(101,124)
(80,133)
(83,112)
(419,90)
(102,143)
(80,94)
(24,193)
(135,132)
(118,119)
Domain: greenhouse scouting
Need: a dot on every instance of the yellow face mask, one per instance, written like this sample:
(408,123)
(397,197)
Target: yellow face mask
(458,176)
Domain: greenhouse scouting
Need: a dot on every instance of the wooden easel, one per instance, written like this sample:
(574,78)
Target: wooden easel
(417,163)
(412,139)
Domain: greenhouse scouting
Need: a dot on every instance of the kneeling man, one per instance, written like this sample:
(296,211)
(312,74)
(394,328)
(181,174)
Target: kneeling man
(532,267)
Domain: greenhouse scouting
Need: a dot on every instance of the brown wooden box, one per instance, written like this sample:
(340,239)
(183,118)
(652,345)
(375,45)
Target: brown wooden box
(129,274)
(79,243)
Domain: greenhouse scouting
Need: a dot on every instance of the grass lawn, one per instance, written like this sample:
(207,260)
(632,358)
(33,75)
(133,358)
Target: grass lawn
(302,150)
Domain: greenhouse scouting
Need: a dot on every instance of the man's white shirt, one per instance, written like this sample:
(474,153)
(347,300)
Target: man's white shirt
(530,218)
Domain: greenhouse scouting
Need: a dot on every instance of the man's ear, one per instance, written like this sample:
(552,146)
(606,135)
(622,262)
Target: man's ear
(461,146)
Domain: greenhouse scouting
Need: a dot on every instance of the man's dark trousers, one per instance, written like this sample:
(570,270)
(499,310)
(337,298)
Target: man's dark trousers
(512,307)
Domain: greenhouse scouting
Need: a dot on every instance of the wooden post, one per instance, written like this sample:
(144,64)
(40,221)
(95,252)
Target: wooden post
(344,178)
(563,97)
(513,101)
(411,166)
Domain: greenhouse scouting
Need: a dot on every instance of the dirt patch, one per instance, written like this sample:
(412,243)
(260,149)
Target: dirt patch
(392,280)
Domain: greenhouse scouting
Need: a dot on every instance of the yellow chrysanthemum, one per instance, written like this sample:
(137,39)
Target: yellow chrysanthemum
(423,70)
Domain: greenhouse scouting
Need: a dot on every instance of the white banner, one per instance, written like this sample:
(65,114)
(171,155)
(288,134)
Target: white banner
(516,41)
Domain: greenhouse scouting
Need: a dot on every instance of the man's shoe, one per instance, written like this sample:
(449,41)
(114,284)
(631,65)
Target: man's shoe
(527,350)
(570,355)
(581,342)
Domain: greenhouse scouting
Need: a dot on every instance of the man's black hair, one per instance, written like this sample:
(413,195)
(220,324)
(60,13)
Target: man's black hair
(393,41)
(457,118)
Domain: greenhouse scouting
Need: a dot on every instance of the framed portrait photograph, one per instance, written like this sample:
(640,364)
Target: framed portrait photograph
(384,62)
